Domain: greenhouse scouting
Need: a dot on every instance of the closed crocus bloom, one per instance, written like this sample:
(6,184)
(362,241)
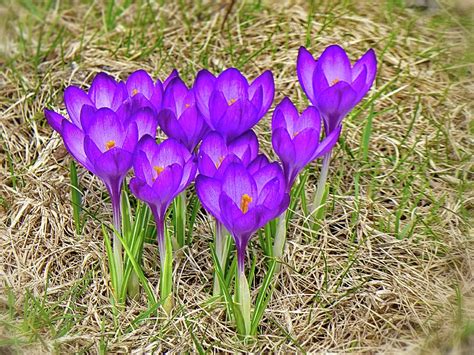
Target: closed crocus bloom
(215,154)
(229,103)
(296,138)
(332,84)
(162,171)
(179,118)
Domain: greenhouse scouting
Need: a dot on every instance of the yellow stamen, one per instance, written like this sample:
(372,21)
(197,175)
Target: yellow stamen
(109,144)
(219,162)
(295,134)
(334,82)
(134,92)
(244,203)
(158,169)
(187,105)
(231,102)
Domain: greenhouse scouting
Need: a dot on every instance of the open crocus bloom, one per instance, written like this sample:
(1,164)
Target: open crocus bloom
(126,99)
(229,104)
(296,138)
(215,154)
(179,118)
(244,202)
(332,84)
(162,171)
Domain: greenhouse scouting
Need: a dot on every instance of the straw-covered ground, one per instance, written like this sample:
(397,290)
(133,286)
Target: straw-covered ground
(391,268)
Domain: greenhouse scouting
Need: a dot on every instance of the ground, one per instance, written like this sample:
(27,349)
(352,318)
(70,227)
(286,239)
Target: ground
(391,267)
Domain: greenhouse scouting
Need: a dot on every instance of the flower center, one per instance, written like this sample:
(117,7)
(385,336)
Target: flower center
(231,102)
(219,162)
(134,92)
(334,82)
(109,144)
(187,105)
(159,170)
(244,203)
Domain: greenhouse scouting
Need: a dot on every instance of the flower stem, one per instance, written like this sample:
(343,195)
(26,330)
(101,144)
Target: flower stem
(222,242)
(115,195)
(321,185)
(242,298)
(166,261)
(180,219)
(280,237)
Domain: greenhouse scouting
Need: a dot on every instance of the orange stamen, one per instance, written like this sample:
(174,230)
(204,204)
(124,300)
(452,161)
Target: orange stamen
(334,82)
(158,169)
(231,102)
(244,203)
(134,92)
(219,162)
(109,144)
(187,105)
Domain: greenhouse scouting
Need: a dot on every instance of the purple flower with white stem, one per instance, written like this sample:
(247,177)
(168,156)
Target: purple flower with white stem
(162,171)
(296,138)
(243,203)
(179,117)
(332,84)
(231,105)
(335,87)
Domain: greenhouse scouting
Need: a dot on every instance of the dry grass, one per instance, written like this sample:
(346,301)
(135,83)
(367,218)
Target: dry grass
(392,267)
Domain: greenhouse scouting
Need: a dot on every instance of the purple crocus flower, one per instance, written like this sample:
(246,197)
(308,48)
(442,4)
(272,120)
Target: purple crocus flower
(244,202)
(332,84)
(215,154)
(296,138)
(179,118)
(162,171)
(229,104)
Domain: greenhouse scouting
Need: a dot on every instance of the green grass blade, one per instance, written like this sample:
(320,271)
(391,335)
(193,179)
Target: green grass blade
(76,198)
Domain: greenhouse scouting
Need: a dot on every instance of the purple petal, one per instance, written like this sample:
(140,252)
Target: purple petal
(258,163)
(143,191)
(283,145)
(310,118)
(87,117)
(174,73)
(335,64)
(285,115)
(238,118)
(102,90)
(74,99)
(106,130)
(148,145)
(167,183)
(74,141)
(203,88)
(268,173)
(327,143)
(120,95)
(233,85)
(334,103)
(218,107)
(142,167)
(245,147)
(305,143)
(146,122)
(170,125)
(170,152)
(264,81)
(305,67)
(208,191)
(368,61)
(237,181)
(140,82)
(54,119)
(175,95)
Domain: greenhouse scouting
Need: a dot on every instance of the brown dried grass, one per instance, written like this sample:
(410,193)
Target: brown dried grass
(355,287)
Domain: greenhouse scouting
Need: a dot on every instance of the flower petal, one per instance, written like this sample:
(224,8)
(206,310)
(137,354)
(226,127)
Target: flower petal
(285,116)
(266,82)
(305,67)
(335,64)
(203,88)
(146,122)
(245,147)
(106,130)
(327,143)
(74,99)
(237,182)
(54,119)
(102,90)
(208,191)
(233,85)
(140,82)
(74,141)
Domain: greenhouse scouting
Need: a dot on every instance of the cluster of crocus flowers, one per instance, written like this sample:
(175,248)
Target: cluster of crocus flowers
(112,128)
